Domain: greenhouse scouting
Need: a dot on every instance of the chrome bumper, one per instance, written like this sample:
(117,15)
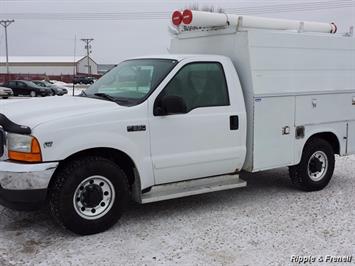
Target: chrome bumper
(17,176)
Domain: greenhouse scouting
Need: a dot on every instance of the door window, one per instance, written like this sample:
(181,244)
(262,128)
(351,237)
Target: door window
(21,84)
(11,84)
(200,85)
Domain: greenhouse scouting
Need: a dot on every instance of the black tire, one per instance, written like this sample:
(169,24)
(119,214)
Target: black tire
(5,97)
(65,183)
(301,174)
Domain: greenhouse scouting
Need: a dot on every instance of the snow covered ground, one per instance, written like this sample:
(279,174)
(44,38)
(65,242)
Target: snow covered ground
(263,224)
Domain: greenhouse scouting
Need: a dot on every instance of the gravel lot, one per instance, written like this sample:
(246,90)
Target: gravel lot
(263,224)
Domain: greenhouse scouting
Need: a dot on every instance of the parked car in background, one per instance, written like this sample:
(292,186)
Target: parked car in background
(59,83)
(5,92)
(83,80)
(64,86)
(27,88)
(55,89)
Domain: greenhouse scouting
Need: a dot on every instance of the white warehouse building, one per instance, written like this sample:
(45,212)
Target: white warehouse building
(48,65)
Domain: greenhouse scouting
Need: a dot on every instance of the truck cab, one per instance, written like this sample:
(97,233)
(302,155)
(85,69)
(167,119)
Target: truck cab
(164,119)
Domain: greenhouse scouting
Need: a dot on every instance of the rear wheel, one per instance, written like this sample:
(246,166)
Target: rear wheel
(316,167)
(33,94)
(88,195)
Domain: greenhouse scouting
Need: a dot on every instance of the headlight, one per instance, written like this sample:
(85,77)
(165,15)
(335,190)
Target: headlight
(23,148)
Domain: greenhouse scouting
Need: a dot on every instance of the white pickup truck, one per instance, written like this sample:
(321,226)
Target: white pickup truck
(225,100)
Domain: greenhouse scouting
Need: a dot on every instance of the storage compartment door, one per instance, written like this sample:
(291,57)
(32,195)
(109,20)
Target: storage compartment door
(274,132)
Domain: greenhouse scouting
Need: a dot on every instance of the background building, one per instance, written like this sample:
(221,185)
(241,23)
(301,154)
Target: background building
(54,67)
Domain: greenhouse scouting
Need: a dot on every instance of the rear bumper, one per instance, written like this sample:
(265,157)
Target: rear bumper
(24,186)
(6,94)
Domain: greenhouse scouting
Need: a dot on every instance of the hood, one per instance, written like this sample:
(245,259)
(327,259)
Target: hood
(32,112)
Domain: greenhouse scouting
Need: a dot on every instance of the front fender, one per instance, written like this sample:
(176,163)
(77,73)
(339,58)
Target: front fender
(137,151)
(59,139)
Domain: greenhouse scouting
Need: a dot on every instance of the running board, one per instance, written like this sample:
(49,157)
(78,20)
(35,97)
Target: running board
(192,187)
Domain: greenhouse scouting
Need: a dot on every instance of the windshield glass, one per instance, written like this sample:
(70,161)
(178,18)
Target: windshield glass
(131,80)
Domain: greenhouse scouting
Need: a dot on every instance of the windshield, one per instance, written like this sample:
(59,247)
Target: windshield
(131,81)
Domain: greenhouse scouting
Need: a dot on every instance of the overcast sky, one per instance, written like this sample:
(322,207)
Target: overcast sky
(124,29)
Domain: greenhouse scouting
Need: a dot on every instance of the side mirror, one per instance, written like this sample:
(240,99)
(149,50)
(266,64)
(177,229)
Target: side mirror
(170,105)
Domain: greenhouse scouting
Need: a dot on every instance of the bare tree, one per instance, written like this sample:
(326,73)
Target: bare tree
(193,6)
(207,8)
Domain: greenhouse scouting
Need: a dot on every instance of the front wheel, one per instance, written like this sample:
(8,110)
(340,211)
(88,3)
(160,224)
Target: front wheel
(33,94)
(88,195)
(316,168)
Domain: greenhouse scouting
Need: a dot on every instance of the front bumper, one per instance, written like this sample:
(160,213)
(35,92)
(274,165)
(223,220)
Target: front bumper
(18,176)
(24,186)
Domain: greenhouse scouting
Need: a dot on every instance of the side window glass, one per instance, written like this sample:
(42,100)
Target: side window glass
(200,85)
(21,85)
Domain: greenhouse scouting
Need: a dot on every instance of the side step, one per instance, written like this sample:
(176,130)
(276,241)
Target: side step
(192,187)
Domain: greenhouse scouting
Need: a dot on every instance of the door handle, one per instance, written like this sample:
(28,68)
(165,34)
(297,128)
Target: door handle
(234,122)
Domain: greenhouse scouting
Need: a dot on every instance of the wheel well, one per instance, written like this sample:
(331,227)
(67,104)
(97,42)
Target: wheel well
(330,137)
(117,156)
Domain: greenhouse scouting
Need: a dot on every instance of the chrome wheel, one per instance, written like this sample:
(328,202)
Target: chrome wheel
(94,197)
(33,94)
(317,166)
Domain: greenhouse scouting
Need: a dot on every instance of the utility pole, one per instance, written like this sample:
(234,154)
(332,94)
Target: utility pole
(87,42)
(5,24)
(74,65)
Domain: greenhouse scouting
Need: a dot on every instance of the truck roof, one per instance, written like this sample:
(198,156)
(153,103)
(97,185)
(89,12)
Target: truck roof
(180,57)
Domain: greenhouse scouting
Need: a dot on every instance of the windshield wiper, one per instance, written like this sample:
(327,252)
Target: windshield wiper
(112,98)
(106,96)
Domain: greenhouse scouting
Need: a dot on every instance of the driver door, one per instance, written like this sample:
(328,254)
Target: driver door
(200,142)
(22,88)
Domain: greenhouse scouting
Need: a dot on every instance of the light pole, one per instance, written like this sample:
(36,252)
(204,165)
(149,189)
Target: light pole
(5,24)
